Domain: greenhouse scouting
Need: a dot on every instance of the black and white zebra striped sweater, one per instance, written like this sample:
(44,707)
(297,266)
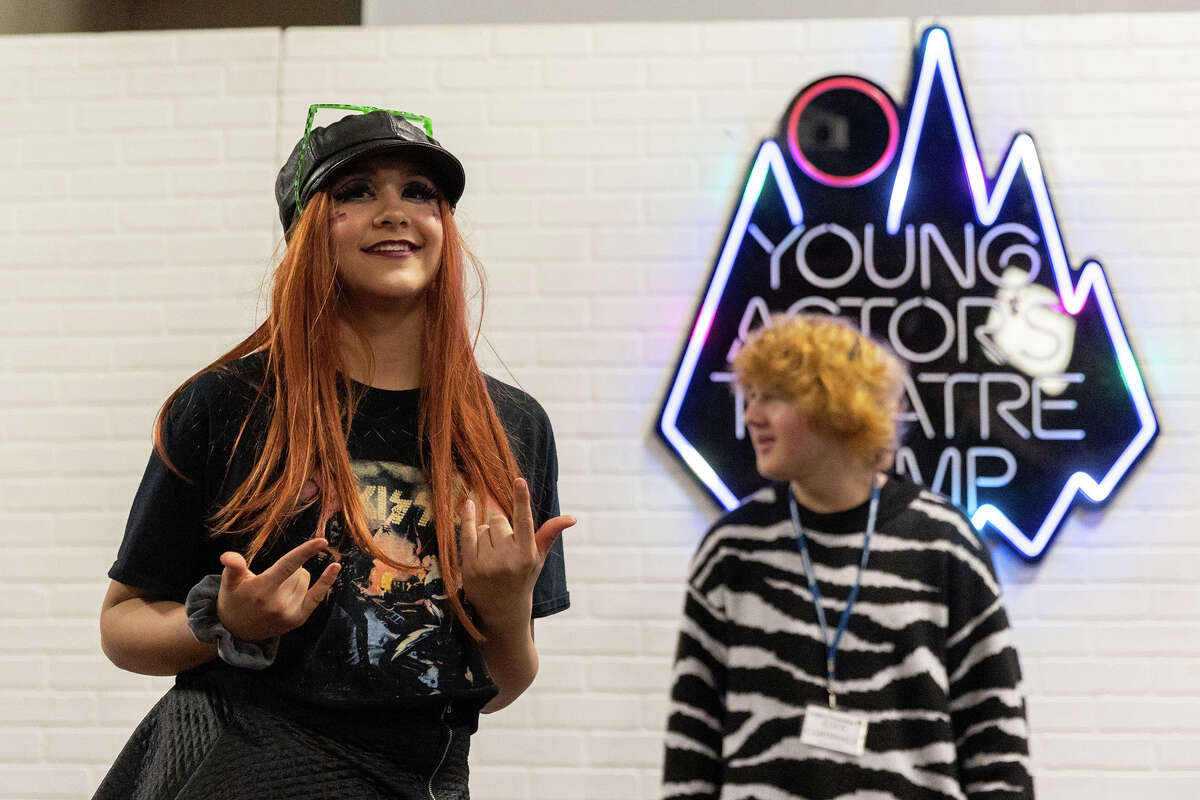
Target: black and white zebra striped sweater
(927,658)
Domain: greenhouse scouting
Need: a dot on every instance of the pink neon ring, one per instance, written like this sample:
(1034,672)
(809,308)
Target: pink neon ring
(885,105)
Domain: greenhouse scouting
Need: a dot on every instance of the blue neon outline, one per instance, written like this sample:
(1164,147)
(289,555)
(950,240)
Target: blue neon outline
(769,158)
(937,60)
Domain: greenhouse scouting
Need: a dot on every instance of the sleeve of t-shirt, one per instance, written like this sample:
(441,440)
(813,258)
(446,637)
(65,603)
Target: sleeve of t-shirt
(162,550)
(550,594)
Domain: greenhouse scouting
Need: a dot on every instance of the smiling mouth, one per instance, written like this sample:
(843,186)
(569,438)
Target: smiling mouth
(400,247)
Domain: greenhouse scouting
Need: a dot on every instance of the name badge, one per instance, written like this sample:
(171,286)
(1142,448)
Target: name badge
(839,731)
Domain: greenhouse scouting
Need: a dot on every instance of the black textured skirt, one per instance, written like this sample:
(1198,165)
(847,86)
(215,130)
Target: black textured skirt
(201,742)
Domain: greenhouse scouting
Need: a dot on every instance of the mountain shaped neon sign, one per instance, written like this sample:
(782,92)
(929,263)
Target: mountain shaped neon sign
(1024,392)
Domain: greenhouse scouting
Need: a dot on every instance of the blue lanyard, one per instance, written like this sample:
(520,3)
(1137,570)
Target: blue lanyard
(831,647)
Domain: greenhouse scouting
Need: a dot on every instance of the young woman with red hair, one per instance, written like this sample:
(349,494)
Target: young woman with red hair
(345,529)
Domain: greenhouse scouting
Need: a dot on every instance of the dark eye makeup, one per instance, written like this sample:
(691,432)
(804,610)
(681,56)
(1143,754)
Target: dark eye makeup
(353,189)
(419,191)
(414,191)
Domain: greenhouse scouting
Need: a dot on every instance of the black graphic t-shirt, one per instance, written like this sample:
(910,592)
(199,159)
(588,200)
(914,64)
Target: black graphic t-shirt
(385,637)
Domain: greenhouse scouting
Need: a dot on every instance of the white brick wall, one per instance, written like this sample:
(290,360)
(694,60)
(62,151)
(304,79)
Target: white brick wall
(602,161)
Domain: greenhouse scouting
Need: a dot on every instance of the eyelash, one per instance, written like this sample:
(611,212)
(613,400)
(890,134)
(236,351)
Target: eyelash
(413,191)
(419,191)
(352,190)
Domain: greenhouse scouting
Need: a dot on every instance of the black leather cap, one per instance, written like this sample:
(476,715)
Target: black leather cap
(334,146)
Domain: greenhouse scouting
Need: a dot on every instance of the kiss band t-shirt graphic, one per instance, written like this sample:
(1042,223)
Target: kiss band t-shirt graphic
(391,629)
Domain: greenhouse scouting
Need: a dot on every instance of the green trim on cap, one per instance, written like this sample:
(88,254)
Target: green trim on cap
(426,123)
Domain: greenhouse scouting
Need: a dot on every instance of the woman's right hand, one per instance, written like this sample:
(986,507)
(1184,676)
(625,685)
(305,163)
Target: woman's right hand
(279,599)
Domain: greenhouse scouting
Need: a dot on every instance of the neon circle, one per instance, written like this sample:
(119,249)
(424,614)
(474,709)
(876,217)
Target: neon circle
(858,85)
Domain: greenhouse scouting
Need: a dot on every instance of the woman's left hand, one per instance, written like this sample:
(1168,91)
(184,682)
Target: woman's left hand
(501,560)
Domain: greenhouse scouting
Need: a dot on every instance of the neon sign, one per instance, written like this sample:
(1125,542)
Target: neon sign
(1024,393)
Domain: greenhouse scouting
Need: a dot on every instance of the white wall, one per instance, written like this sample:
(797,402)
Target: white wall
(602,163)
(416,12)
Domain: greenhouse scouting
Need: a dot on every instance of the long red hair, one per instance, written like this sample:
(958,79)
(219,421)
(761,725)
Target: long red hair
(311,403)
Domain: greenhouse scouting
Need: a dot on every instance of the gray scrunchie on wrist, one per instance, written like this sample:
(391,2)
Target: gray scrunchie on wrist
(201,608)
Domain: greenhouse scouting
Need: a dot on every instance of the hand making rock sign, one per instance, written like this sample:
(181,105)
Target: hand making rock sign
(501,560)
(277,600)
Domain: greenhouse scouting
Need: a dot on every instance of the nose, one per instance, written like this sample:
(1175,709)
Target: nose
(393,211)
(753,412)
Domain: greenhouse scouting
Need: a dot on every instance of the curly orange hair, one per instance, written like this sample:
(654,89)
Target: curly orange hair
(311,403)
(838,379)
